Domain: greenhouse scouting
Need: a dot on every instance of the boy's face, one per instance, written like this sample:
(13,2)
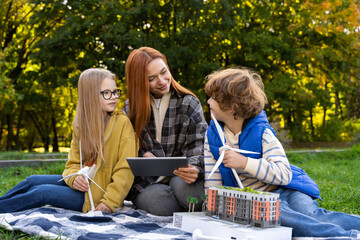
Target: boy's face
(219,114)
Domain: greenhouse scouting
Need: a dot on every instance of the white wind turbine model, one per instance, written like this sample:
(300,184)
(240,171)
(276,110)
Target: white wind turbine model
(223,149)
(84,171)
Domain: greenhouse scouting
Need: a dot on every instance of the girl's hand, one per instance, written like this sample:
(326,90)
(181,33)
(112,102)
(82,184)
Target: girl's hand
(81,184)
(188,174)
(103,207)
(234,159)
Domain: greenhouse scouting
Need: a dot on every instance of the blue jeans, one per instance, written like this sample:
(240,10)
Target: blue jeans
(39,190)
(163,200)
(300,212)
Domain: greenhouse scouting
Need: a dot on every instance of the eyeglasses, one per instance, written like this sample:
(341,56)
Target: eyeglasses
(107,94)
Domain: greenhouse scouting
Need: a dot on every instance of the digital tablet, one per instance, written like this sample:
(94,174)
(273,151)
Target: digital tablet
(156,166)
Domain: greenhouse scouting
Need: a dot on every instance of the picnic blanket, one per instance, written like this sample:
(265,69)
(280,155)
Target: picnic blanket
(58,223)
(126,223)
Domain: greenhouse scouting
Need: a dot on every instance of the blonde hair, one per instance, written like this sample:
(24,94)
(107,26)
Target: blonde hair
(240,90)
(90,120)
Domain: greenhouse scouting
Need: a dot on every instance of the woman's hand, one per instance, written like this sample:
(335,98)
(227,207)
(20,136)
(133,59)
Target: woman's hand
(81,184)
(103,207)
(188,174)
(148,154)
(234,159)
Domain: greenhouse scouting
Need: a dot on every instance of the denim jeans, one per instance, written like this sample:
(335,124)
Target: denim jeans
(163,200)
(300,212)
(39,190)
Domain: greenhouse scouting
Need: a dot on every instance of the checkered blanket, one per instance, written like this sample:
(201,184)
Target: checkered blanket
(127,223)
(57,223)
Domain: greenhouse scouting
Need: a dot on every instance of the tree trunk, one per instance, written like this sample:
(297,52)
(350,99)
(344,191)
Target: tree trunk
(46,143)
(15,73)
(55,140)
(348,102)
(338,107)
(1,130)
(325,108)
(18,127)
(312,125)
(10,132)
(43,132)
(324,118)
(30,143)
(357,103)
(289,124)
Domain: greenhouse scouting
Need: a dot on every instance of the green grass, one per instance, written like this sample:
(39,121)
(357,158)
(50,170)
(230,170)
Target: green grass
(336,173)
(11,176)
(16,234)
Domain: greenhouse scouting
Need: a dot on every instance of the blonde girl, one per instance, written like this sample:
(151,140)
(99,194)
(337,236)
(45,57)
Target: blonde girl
(102,140)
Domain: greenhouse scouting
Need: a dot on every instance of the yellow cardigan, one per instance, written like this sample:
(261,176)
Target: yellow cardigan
(113,174)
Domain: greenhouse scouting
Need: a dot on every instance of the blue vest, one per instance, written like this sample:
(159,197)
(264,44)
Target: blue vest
(251,139)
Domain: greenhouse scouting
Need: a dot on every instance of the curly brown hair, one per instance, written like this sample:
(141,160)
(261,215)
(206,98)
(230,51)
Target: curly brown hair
(240,90)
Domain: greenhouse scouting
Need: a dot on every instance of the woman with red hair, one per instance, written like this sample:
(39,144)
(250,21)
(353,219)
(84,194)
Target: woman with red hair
(168,120)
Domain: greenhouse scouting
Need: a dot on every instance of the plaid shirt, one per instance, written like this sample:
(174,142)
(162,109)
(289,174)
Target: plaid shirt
(183,131)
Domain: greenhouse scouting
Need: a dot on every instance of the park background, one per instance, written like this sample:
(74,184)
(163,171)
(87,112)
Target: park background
(306,51)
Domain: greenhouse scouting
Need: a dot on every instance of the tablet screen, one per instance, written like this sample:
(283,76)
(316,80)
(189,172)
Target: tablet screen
(156,166)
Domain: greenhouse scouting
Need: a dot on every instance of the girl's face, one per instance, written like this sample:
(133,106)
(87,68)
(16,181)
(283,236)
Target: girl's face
(159,77)
(108,105)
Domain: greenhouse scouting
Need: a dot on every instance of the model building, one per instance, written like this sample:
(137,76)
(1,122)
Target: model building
(244,206)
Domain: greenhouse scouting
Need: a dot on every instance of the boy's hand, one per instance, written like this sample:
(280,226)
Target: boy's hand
(81,184)
(188,174)
(234,159)
(103,207)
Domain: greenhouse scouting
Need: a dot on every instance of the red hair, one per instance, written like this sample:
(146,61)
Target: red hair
(138,86)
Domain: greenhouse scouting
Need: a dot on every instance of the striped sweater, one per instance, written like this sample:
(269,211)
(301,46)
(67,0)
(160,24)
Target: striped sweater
(263,174)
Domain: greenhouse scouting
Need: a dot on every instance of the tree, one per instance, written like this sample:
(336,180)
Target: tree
(30,22)
(194,202)
(204,198)
(189,200)
(306,51)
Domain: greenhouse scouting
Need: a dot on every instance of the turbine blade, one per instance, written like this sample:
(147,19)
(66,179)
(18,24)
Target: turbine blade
(217,164)
(218,128)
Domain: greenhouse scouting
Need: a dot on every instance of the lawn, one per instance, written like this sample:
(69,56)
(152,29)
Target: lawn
(10,177)
(336,173)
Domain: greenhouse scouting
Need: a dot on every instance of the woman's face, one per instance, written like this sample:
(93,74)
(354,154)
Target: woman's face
(159,77)
(108,105)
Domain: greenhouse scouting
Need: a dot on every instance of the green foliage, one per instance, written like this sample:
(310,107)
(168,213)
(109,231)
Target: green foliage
(203,197)
(246,189)
(306,52)
(192,201)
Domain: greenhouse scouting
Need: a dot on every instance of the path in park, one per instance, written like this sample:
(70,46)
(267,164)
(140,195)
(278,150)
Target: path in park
(33,160)
(37,160)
